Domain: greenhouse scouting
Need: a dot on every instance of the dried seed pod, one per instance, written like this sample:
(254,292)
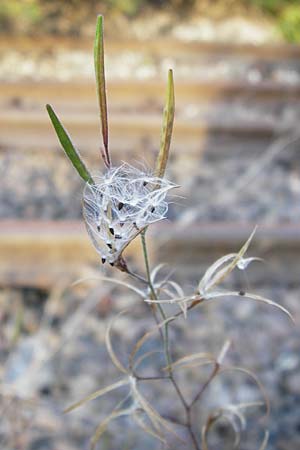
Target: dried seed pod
(118,197)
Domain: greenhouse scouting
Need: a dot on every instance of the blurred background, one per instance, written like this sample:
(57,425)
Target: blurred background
(235,155)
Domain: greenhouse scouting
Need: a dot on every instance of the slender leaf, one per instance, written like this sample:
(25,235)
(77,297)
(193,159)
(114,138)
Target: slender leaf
(229,416)
(109,346)
(97,394)
(155,271)
(146,336)
(212,278)
(167,128)
(247,295)
(153,416)
(208,357)
(141,423)
(103,425)
(100,84)
(113,281)
(265,441)
(68,146)
(145,356)
(256,381)
(224,350)
(157,421)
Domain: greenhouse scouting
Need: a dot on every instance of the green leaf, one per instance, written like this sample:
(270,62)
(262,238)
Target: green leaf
(167,128)
(100,84)
(68,146)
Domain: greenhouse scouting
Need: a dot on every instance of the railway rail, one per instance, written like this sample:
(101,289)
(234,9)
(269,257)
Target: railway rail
(135,112)
(23,131)
(43,253)
(161,46)
(139,92)
(135,105)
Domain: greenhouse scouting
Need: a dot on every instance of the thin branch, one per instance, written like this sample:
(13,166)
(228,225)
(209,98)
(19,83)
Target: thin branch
(165,339)
(206,384)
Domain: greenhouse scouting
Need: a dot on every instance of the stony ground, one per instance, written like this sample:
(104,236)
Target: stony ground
(52,348)
(223,187)
(53,353)
(242,173)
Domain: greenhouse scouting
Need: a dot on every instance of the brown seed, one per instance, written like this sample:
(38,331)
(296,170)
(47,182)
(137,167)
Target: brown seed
(120,206)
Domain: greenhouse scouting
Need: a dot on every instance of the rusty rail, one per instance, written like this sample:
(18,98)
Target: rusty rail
(42,253)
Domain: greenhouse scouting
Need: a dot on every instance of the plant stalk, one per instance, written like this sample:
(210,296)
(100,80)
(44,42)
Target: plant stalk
(165,339)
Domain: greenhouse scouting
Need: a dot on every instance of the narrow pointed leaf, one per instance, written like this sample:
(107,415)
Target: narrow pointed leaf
(208,357)
(157,421)
(141,423)
(167,128)
(68,146)
(265,441)
(238,257)
(145,356)
(212,278)
(146,336)
(155,271)
(256,381)
(246,296)
(113,281)
(97,394)
(103,425)
(230,419)
(100,85)
(109,346)
(224,350)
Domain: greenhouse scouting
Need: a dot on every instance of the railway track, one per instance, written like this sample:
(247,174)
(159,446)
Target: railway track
(161,46)
(204,107)
(23,131)
(135,113)
(40,254)
(137,93)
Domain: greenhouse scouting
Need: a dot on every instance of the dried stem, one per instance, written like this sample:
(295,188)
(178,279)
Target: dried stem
(136,276)
(154,297)
(206,384)
(165,339)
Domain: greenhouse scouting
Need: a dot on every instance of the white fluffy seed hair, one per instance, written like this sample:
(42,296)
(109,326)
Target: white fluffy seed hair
(122,201)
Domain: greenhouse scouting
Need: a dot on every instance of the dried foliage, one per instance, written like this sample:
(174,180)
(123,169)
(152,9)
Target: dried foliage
(118,206)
